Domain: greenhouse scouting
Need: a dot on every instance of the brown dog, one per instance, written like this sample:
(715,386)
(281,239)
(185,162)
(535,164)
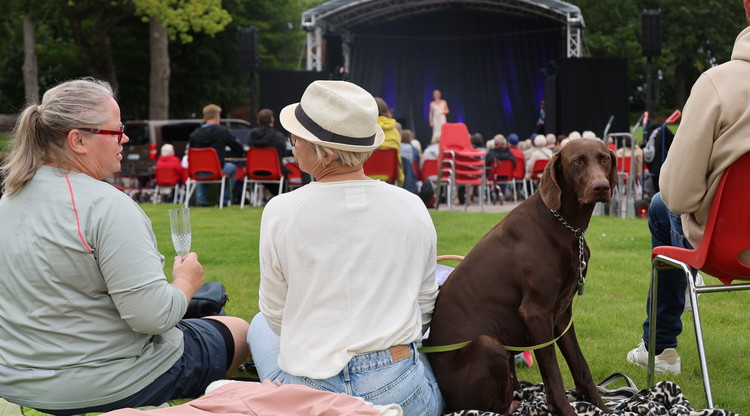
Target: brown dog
(516,288)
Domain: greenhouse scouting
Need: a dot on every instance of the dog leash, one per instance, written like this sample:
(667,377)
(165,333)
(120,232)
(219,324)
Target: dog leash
(578,232)
(458,346)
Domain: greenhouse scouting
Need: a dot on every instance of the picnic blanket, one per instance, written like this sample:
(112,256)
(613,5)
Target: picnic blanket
(664,398)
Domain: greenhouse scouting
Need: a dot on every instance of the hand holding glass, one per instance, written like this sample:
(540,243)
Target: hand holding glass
(179,219)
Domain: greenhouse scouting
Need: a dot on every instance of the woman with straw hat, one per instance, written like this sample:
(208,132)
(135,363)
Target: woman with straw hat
(347,264)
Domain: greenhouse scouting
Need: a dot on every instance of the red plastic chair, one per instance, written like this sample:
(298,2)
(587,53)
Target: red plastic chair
(430,173)
(383,165)
(294,175)
(726,236)
(167,177)
(502,174)
(262,165)
(455,137)
(536,172)
(204,167)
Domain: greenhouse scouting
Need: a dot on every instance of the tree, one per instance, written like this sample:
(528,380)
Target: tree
(696,34)
(30,68)
(174,18)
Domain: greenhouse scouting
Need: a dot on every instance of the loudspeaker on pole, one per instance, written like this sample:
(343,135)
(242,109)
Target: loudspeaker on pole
(247,49)
(651,32)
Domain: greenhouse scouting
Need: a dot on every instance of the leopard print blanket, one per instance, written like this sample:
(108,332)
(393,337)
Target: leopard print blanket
(665,398)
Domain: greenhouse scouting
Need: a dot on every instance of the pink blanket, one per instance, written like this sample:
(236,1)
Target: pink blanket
(255,399)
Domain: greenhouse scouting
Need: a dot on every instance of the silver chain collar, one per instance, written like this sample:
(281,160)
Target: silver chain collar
(578,232)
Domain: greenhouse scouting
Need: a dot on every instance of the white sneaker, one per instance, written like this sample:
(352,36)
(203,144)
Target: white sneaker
(666,362)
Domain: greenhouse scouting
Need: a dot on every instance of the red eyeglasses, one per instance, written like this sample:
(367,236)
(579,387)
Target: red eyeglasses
(117,133)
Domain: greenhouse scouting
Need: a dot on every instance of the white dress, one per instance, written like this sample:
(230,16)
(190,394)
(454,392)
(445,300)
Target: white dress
(438,115)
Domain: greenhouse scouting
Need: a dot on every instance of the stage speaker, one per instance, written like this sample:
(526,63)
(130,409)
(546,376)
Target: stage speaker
(247,49)
(279,88)
(587,92)
(651,32)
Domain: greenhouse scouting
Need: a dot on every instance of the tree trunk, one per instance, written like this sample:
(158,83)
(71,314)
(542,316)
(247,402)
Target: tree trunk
(159,78)
(30,67)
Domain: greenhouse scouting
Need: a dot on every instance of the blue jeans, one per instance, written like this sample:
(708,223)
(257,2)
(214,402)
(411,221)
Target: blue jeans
(372,376)
(229,169)
(666,230)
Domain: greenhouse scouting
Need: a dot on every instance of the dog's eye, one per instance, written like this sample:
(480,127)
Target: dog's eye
(576,162)
(606,160)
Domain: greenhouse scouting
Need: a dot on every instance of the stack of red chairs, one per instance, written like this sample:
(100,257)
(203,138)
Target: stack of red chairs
(460,161)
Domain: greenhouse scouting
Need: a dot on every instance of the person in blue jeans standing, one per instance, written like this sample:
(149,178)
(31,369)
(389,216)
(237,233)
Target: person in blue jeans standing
(213,134)
(347,264)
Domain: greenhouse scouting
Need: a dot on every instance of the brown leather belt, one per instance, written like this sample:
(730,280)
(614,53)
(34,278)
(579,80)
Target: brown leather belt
(399,352)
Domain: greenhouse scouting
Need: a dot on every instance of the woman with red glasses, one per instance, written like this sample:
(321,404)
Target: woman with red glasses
(88,321)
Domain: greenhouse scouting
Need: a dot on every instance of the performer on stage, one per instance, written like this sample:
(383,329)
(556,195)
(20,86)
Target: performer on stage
(438,110)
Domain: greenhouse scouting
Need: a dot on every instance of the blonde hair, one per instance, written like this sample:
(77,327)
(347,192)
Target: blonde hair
(435,138)
(211,111)
(41,130)
(345,158)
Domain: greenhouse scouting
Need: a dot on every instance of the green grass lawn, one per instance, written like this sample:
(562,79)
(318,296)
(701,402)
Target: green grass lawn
(608,317)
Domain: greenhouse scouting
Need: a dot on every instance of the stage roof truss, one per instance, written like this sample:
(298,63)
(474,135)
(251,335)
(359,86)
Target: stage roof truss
(341,16)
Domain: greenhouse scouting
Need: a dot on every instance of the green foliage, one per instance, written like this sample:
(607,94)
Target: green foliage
(608,317)
(181,17)
(696,35)
(109,40)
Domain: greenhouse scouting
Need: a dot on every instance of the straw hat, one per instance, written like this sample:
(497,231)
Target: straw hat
(335,114)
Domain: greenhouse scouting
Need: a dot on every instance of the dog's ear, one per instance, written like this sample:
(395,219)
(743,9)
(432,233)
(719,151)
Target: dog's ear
(548,185)
(612,172)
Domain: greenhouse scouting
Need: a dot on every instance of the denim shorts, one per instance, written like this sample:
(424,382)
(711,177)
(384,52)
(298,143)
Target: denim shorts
(375,377)
(204,360)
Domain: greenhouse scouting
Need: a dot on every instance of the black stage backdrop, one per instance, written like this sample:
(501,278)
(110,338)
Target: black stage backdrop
(487,66)
(585,92)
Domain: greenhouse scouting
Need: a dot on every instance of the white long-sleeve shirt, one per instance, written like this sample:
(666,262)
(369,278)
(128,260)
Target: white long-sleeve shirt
(346,268)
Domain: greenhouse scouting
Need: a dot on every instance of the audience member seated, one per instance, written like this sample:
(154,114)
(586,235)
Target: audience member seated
(392,135)
(588,134)
(432,152)
(499,151)
(552,142)
(213,134)
(265,135)
(409,159)
(342,291)
(89,321)
(527,147)
(169,160)
(477,142)
(624,150)
(540,152)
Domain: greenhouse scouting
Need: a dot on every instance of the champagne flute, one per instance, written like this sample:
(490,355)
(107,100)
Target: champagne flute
(179,219)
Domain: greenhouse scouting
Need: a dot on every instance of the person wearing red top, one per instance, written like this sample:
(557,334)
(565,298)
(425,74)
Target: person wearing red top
(169,160)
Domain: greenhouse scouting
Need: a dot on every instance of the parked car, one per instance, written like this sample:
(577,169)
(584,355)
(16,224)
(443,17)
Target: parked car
(147,136)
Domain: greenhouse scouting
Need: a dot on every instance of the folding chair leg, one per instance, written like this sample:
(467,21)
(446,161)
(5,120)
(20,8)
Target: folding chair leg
(189,189)
(221,193)
(699,339)
(659,259)
(243,194)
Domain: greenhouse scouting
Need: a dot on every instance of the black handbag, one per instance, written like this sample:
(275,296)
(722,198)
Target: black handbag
(209,300)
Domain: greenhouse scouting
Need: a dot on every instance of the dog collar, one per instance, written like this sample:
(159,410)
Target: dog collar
(578,232)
